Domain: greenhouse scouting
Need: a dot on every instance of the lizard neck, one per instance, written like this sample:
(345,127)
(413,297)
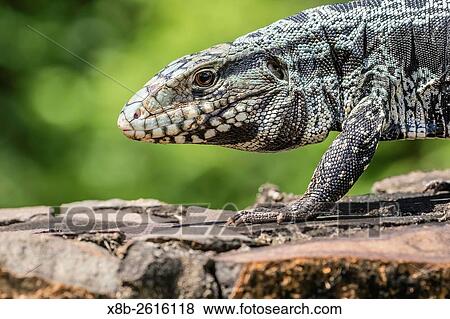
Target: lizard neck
(323,72)
(342,57)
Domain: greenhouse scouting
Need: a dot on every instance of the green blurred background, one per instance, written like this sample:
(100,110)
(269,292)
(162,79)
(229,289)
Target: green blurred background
(58,137)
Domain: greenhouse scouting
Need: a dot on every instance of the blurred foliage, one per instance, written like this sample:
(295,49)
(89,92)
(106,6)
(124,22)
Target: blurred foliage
(59,141)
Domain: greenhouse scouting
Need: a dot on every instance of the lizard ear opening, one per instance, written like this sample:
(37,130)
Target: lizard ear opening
(276,69)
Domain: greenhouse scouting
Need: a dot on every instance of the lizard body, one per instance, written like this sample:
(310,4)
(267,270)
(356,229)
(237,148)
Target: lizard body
(373,70)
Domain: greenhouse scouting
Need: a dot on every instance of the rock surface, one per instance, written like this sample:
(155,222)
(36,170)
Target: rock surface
(414,182)
(409,263)
(394,243)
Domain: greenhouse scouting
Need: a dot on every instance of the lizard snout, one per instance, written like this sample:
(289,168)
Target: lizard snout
(142,105)
(129,117)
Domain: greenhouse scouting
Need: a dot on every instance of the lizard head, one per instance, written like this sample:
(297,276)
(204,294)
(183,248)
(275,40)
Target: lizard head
(239,95)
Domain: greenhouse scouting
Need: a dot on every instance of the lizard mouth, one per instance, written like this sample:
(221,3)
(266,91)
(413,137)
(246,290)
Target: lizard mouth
(182,124)
(171,126)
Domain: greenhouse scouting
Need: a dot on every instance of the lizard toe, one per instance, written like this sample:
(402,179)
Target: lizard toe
(237,219)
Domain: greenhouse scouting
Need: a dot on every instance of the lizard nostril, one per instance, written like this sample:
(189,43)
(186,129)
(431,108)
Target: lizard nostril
(137,114)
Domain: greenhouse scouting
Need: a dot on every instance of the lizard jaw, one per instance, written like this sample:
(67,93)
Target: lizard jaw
(172,124)
(165,127)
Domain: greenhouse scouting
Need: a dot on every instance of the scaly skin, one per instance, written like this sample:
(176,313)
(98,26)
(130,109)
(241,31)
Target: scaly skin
(373,70)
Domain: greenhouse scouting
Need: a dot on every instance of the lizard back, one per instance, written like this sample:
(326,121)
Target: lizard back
(410,39)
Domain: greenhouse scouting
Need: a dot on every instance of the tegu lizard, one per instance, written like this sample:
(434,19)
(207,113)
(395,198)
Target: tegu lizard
(373,70)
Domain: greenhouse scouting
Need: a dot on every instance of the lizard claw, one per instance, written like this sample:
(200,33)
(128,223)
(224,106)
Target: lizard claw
(282,216)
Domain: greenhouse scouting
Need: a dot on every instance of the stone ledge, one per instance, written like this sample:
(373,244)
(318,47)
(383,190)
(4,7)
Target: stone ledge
(409,263)
(388,244)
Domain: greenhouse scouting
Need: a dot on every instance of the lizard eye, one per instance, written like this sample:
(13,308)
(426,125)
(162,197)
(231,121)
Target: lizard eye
(276,69)
(204,78)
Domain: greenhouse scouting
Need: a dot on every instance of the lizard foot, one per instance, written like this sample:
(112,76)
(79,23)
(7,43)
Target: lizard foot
(437,187)
(294,214)
(262,216)
(258,216)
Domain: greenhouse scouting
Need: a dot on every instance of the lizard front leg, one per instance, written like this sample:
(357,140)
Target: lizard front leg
(340,167)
